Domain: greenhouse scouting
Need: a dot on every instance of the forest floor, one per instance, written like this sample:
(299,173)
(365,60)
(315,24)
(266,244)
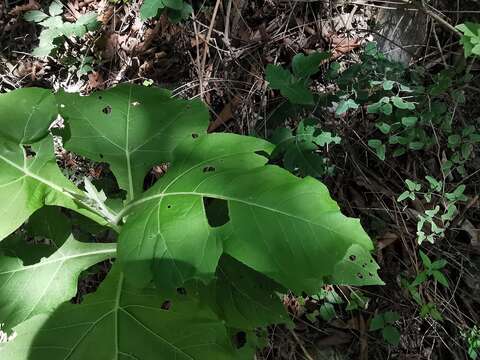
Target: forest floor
(220,55)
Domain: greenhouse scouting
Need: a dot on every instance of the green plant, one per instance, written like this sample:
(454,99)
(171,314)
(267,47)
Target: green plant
(357,301)
(472,336)
(410,109)
(302,152)
(431,270)
(471,38)
(327,298)
(177,10)
(202,254)
(295,84)
(385,322)
(55,29)
(431,217)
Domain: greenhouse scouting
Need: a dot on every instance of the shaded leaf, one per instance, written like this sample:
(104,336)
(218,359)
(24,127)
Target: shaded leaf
(120,322)
(295,90)
(29,290)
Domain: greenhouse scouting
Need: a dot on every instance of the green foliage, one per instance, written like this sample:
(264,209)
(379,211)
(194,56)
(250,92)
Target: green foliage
(227,230)
(432,270)
(433,223)
(177,10)
(385,322)
(328,299)
(472,337)
(301,152)
(55,29)
(410,109)
(470,39)
(357,301)
(119,321)
(295,84)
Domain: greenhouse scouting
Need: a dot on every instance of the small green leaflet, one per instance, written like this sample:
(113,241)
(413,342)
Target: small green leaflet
(38,288)
(471,38)
(121,322)
(54,27)
(299,151)
(346,105)
(177,9)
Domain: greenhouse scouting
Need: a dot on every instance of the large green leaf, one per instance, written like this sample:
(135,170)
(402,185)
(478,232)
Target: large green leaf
(284,227)
(29,290)
(244,298)
(29,175)
(170,238)
(130,127)
(118,322)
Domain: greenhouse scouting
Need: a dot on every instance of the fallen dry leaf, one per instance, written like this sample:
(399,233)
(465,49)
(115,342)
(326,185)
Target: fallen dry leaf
(20,9)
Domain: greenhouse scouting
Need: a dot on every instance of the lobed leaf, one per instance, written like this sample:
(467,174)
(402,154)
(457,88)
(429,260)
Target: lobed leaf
(121,322)
(26,291)
(130,127)
(29,175)
(279,225)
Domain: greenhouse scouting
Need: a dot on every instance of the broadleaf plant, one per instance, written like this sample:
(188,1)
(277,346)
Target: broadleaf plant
(221,235)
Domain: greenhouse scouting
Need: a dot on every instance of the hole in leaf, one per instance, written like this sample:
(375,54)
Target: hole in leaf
(216,211)
(101,156)
(100,97)
(29,152)
(208,169)
(169,206)
(194,135)
(370,274)
(167,305)
(352,258)
(364,265)
(360,276)
(182,291)
(240,339)
(154,174)
(107,110)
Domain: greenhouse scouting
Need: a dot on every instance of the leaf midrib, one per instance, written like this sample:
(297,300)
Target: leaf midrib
(62,260)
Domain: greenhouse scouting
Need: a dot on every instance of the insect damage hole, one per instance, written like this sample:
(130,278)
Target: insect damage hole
(217,211)
(167,305)
(240,339)
(107,110)
(209,169)
(29,152)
